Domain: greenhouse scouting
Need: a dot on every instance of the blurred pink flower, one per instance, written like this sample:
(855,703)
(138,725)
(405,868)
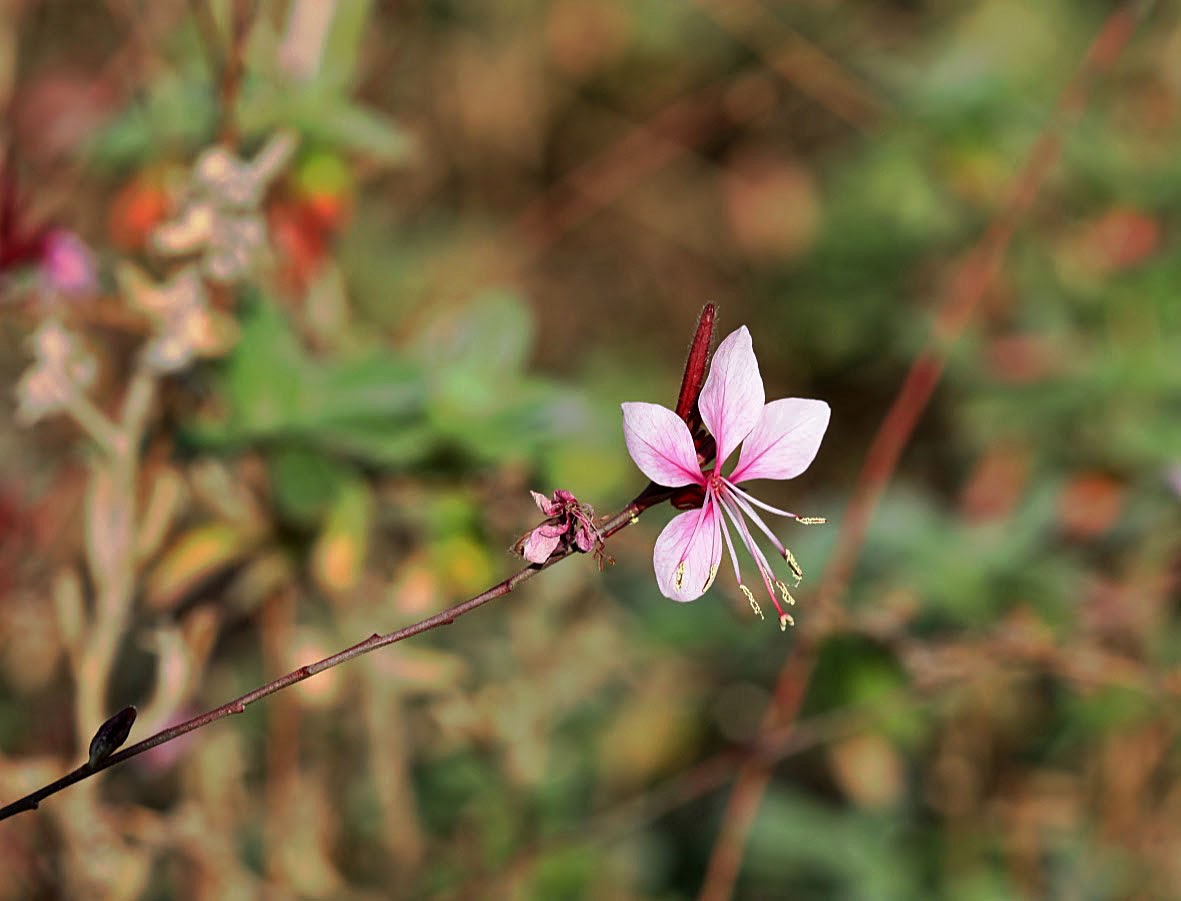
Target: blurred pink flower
(781,440)
(568,520)
(68,265)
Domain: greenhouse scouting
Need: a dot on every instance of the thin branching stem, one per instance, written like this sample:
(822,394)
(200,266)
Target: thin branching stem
(649,497)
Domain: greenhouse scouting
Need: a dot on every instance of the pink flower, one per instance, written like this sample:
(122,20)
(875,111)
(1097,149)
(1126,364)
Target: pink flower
(779,441)
(568,521)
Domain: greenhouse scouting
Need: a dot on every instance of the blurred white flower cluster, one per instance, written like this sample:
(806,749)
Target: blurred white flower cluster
(217,237)
(62,369)
(185,324)
(220,220)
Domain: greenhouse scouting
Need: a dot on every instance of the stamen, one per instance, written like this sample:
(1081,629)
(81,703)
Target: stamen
(812,520)
(728,505)
(758,521)
(730,547)
(754,605)
(796,570)
(785,621)
(748,540)
(758,503)
(787,598)
(705,508)
(713,572)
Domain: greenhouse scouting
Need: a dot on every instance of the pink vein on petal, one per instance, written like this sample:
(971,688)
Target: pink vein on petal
(732,399)
(660,445)
(695,545)
(784,442)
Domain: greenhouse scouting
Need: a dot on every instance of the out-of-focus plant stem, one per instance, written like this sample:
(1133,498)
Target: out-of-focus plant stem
(649,497)
(114,575)
(93,422)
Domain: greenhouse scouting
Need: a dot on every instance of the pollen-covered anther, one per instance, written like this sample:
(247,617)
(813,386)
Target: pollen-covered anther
(784,621)
(796,570)
(754,605)
(784,593)
(812,520)
(680,578)
(709,580)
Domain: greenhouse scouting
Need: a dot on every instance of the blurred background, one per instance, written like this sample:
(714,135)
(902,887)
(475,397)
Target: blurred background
(302,297)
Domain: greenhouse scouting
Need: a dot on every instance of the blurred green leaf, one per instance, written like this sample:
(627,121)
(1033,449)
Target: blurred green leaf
(368,407)
(811,850)
(306,483)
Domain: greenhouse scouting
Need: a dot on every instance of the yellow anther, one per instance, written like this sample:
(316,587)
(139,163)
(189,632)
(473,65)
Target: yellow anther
(794,565)
(784,593)
(785,621)
(812,520)
(713,571)
(754,605)
(680,579)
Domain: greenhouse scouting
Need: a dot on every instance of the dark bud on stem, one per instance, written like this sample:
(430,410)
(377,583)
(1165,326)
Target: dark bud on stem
(695,366)
(111,735)
(691,497)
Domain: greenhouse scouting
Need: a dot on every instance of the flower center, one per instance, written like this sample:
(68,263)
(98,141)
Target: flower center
(714,481)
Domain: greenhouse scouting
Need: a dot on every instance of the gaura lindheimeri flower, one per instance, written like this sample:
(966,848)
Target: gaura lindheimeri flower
(779,441)
(567,521)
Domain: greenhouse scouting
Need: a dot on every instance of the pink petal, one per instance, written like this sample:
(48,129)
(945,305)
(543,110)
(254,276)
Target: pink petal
(732,398)
(542,542)
(660,444)
(687,553)
(785,441)
(544,504)
(584,538)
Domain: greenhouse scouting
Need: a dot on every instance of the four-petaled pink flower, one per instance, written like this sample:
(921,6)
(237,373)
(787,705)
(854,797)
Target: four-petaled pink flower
(779,440)
(568,521)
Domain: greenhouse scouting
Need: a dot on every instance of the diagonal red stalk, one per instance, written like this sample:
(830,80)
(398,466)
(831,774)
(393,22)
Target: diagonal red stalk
(975,276)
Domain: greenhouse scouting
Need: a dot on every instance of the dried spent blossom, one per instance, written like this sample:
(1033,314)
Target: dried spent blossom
(569,524)
(62,367)
(779,441)
(220,220)
(185,325)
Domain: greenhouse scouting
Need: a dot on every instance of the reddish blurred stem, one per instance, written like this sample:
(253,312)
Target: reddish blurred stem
(241,16)
(227,62)
(972,280)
